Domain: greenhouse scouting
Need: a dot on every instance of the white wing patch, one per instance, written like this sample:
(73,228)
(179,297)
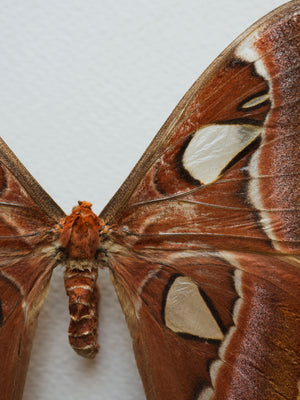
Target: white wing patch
(248,51)
(187,312)
(255,101)
(213,147)
(206,394)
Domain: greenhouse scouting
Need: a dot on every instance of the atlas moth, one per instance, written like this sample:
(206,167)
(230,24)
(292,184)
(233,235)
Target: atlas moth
(202,240)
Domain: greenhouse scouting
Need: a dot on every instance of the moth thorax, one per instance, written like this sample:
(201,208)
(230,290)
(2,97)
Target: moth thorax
(81,287)
(79,236)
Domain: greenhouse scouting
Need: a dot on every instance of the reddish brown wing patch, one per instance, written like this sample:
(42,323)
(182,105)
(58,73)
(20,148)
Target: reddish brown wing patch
(27,237)
(265,348)
(22,295)
(278,161)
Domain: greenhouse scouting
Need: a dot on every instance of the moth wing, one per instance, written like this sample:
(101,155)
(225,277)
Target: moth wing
(27,238)
(213,326)
(229,152)
(216,197)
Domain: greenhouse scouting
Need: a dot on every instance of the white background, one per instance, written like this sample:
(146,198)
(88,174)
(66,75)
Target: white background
(84,87)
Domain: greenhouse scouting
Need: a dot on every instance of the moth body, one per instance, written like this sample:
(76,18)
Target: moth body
(81,287)
(79,241)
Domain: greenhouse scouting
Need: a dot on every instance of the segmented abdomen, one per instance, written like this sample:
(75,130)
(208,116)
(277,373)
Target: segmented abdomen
(83,292)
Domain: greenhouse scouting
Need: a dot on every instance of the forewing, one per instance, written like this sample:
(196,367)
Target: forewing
(27,241)
(224,170)
(211,212)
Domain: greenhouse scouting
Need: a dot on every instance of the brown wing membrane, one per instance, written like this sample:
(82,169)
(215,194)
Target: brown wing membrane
(23,288)
(26,262)
(246,348)
(204,229)
(224,168)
